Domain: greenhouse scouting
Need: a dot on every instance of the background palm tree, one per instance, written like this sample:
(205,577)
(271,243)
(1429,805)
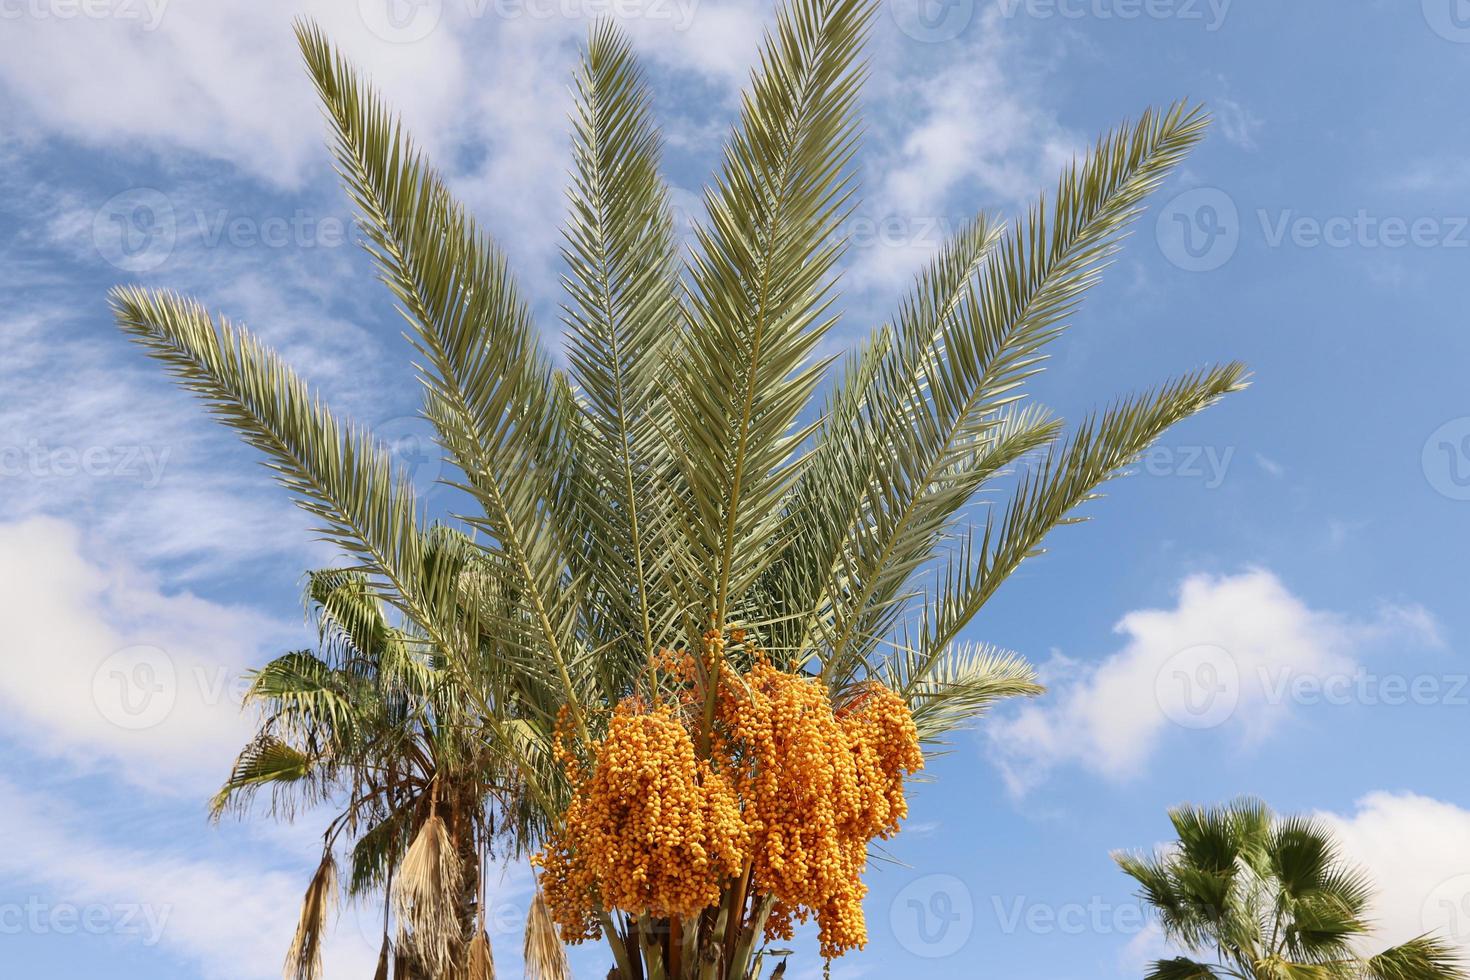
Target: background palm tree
(1252,895)
(365,723)
(697,463)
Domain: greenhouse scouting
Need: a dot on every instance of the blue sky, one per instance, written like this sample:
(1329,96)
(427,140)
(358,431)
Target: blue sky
(1271,604)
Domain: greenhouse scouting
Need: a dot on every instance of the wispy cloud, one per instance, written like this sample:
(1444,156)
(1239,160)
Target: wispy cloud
(228,919)
(104,669)
(1229,655)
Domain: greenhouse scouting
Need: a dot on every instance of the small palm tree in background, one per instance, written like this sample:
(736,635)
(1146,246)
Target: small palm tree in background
(698,475)
(1261,897)
(367,723)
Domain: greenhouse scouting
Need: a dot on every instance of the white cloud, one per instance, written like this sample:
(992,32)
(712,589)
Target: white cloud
(115,446)
(1416,850)
(105,670)
(1236,122)
(231,919)
(137,690)
(1231,654)
(1433,175)
(1270,466)
(975,124)
(1147,946)
(222,80)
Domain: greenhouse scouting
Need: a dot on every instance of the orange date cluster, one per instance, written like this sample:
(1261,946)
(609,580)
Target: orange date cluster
(791,792)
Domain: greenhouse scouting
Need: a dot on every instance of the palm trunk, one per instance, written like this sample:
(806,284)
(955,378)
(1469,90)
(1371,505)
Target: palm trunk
(718,944)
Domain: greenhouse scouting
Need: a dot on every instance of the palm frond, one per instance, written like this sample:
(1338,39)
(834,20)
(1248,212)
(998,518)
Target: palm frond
(481,961)
(962,357)
(337,472)
(500,410)
(304,959)
(834,491)
(1423,958)
(622,305)
(1099,450)
(384,959)
(266,761)
(545,957)
(425,893)
(947,691)
(758,291)
(1180,968)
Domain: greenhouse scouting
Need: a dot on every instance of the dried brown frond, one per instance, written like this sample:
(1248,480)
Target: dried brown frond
(426,895)
(546,959)
(304,959)
(482,960)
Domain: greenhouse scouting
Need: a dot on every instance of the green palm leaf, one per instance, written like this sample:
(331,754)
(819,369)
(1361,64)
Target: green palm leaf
(336,471)
(759,293)
(500,410)
(622,306)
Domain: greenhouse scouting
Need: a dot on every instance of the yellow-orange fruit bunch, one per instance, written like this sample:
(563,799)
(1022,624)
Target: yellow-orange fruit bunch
(650,829)
(817,786)
(792,786)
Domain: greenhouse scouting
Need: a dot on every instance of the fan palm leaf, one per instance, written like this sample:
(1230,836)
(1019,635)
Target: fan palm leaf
(1272,899)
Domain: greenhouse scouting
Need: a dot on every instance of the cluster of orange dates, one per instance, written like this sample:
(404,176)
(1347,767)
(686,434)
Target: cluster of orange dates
(788,796)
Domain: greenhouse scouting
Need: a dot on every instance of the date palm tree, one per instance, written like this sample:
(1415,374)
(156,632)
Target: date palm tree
(1260,897)
(698,462)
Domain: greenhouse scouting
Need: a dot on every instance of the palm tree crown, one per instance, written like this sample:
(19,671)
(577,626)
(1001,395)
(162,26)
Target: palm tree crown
(1261,897)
